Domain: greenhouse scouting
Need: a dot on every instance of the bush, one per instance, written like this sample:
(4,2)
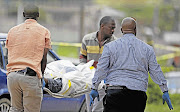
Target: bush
(154,93)
(175,99)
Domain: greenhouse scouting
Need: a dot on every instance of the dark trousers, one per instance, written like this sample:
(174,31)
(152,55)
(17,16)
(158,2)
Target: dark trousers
(124,100)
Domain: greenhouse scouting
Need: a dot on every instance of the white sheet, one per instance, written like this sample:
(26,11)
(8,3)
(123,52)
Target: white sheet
(74,78)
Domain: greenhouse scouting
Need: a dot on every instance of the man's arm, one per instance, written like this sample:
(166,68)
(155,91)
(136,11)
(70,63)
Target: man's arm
(156,72)
(46,49)
(158,77)
(100,74)
(44,60)
(102,68)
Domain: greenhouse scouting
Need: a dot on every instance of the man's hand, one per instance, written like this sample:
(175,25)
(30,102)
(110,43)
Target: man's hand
(93,95)
(167,99)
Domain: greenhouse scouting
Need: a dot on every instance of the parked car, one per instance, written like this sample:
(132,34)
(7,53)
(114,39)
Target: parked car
(49,103)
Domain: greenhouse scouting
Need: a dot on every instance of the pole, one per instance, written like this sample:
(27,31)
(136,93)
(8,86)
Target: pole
(81,31)
(20,12)
(155,22)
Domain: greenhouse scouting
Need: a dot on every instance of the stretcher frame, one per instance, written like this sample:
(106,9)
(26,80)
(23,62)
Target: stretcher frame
(72,95)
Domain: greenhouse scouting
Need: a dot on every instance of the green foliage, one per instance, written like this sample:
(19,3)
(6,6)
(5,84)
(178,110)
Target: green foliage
(138,12)
(167,69)
(161,108)
(166,17)
(154,102)
(153,92)
(143,11)
(164,67)
(162,62)
(175,99)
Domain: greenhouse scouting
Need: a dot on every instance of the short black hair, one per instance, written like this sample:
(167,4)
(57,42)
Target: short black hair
(31,9)
(106,19)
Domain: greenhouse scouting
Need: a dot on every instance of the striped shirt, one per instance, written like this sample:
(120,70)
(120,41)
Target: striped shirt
(90,49)
(126,62)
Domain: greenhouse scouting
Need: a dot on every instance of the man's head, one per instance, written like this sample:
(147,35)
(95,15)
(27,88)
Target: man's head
(107,26)
(31,12)
(128,25)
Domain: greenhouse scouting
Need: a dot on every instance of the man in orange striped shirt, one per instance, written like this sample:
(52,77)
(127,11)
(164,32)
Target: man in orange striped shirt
(92,47)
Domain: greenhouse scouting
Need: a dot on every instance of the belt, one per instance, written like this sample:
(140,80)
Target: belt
(116,87)
(28,71)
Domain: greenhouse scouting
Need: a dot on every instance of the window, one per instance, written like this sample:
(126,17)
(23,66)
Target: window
(50,57)
(1,59)
(5,52)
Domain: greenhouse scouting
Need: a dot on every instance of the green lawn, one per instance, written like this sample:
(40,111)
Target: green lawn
(161,108)
(67,51)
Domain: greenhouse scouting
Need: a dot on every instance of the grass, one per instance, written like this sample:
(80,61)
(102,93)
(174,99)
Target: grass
(161,108)
(68,51)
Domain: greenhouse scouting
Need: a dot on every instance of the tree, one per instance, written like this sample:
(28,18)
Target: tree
(161,14)
(140,9)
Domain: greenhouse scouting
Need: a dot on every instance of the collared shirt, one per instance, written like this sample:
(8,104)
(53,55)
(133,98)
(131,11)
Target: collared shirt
(26,43)
(90,49)
(126,62)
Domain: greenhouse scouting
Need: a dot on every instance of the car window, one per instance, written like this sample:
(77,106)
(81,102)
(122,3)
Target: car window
(1,60)
(50,57)
(5,53)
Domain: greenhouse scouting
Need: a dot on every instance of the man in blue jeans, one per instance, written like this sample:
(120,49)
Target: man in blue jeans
(125,64)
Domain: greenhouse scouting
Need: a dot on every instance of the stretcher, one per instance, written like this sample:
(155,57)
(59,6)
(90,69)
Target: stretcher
(72,95)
